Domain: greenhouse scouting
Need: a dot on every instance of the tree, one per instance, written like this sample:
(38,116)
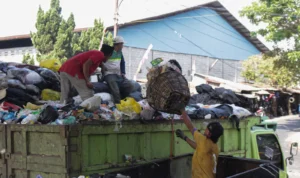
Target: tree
(55,36)
(263,70)
(47,25)
(282,21)
(28,59)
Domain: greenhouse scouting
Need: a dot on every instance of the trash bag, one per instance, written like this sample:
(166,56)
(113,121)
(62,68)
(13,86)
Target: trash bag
(147,112)
(9,106)
(3,83)
(105,96)
(13,83)
(129,105)
(21,95)
(51,78)
(100,87)
(136,95)
(26,76)
(240,112)
(92,103)
(136,86)
(30,119)
(52,64)
(32,89)
(48,94)
(204,98)
(227,96)
(205,88)
(32,106)
(49,114)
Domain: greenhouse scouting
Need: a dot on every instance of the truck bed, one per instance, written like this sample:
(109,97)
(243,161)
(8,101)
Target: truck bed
(66,151)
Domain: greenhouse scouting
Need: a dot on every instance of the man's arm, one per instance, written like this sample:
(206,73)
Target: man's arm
(86,70)
(122,66)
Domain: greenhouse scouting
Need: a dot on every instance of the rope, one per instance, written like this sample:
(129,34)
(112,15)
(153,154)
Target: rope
(172,139)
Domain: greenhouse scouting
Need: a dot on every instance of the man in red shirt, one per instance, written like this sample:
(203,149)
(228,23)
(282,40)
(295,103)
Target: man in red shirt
(77,70)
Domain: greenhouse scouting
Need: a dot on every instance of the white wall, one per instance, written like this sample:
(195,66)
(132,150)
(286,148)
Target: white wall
(16,54)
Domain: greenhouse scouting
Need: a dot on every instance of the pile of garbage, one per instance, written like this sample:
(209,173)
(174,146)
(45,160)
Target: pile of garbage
(30,95)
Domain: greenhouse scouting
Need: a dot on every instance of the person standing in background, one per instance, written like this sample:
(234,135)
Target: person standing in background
(114,72)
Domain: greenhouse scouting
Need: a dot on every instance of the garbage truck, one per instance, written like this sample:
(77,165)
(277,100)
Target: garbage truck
(142,149)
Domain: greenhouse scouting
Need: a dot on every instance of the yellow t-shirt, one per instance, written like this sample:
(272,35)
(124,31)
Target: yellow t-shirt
(204,163)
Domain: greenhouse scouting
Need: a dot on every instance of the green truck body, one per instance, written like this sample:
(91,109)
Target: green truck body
(70,151)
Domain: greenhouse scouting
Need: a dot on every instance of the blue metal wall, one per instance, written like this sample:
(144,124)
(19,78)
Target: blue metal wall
(201,32)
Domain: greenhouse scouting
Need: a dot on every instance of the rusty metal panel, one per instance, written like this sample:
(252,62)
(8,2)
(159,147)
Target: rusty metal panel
(36,150)
(3,170)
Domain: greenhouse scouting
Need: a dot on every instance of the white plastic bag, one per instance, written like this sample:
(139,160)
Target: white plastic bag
(106,97)
(30,119)
(240,112)
(92,104)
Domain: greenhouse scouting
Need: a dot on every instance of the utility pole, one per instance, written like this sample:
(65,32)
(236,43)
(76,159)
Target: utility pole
(116,18)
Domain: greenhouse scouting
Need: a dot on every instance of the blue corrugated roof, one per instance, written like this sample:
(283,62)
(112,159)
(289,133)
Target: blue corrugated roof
(200,31)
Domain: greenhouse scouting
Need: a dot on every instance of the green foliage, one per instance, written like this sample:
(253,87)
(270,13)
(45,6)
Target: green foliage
(28,59)
(55,36)
(280,21)
(269,71)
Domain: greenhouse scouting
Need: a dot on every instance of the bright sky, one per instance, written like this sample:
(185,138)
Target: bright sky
(19,16)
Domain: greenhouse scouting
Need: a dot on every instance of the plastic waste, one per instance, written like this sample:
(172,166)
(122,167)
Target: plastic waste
(117,115)
(33,89)
(49,114)
(3,83)
(48,94)
(9,106)
(129,105)
(52,64)
(32,106)
(92,104)
(106,97)
(26,76)
(147,112)
(51,78)
(9,116)
(156,62)
(66,121)
(15,84)
(30,119)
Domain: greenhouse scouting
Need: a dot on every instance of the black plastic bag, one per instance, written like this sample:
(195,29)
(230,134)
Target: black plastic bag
(49,114)
(52,79)
(136,95)
(136,86)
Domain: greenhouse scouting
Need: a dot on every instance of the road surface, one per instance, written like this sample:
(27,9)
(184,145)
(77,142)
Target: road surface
(288,130)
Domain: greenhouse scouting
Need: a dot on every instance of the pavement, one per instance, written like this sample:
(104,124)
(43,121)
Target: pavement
(288,130)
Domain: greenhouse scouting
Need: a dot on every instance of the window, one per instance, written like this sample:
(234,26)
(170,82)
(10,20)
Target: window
(5,53)
(269,149)
(12,52)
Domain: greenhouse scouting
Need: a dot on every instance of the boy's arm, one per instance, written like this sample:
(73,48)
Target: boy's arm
(186,119)
(191,143)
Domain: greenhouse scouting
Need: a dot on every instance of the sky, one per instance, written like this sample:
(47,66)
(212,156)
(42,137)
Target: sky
(19,16)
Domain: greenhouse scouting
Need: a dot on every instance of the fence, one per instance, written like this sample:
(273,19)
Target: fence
(226,69)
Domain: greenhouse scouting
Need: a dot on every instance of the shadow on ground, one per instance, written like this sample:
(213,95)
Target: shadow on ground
(290,125)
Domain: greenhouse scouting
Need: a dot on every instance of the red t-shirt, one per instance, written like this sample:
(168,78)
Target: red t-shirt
(74,65)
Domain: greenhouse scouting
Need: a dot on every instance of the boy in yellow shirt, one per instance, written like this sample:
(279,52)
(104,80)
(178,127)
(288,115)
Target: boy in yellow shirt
(204,163)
